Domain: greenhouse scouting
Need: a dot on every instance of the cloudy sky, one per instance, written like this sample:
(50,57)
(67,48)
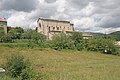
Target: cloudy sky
(87,15)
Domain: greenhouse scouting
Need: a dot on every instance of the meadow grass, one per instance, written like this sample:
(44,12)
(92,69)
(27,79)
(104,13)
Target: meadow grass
(67,64)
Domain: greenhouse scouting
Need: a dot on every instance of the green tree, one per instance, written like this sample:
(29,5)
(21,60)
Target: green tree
(93,44)
(33,37)
(6,38)
(105,45)
(62,41)
(76,37)
(16,33)
(78,40)
(2,32)
(38,37)
(27,34)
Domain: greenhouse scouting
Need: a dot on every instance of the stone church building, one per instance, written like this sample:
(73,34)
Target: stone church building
(50,27)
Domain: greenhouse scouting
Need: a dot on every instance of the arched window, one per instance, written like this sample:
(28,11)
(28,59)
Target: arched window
(40,25)
(68,28)
(57,28)
(60,27)
(53,28)
(49,29)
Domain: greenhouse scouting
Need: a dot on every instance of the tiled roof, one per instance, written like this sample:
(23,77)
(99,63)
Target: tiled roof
(86,34)
(2,19)
(54,20)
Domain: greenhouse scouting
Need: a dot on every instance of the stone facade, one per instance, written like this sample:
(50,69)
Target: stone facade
(86,35)
(3,24)
(50,27)
(117,44)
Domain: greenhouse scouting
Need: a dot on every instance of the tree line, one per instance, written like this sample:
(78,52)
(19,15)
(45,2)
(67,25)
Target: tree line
(73,41)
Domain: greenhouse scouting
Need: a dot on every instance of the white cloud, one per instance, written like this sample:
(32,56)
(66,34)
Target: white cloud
(84,23)
(88,10)
(20,19)
(87,15)
(61,5)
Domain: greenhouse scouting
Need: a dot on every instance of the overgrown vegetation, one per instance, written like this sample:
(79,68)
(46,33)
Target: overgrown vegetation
(66,64)
(103,45)
(73,41)
(18,67)
(73,63)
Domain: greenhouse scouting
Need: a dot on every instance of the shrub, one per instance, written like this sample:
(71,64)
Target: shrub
(70,44)
(103,45)
(6,38)
(15,64)
(78,40)
(30,74)
(18,67)
(46,44)
(2,32)
(80,46)
(26,74)
(62,41)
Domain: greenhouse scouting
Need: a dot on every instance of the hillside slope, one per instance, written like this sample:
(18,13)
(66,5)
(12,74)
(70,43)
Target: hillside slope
(116,35)
(68,65)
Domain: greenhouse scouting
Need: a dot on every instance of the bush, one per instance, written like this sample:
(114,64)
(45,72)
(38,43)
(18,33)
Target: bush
(18,67)
(80,46)
(45,44)
(103,45)
(16,32)
(30,74)
(2,32)
(15,64)
(78,40)
(6,38)
(26,74)
(62,41)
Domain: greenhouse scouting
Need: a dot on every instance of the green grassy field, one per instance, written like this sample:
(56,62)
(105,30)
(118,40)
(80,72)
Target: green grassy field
(68,65)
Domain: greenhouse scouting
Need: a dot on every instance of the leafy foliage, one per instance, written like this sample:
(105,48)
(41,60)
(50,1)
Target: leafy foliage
(6,38)
(26,74)
(61,41)
(2,32)
(101,44)
(31,38)
(15,64)
(32,34)
(15,33)
(18,67)
(78,40)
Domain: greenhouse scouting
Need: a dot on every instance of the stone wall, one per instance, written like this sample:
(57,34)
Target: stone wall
(50,27)
(4,27)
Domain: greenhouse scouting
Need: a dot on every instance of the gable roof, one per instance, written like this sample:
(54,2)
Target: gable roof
(46,19)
